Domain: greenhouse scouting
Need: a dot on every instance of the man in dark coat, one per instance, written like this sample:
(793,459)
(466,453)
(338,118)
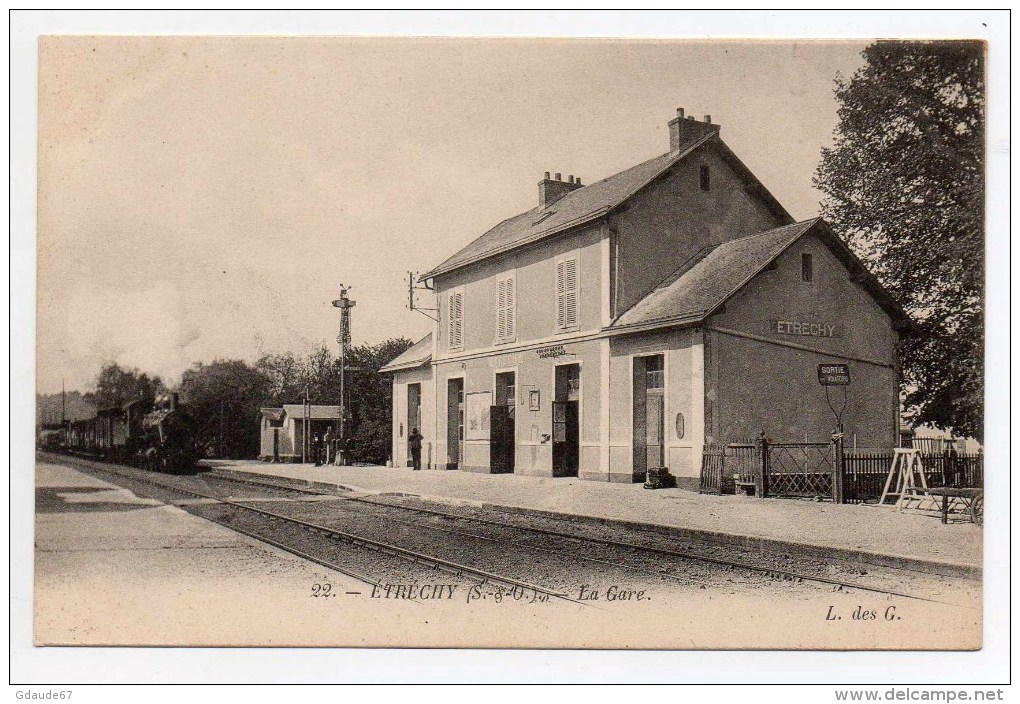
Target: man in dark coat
(414,445)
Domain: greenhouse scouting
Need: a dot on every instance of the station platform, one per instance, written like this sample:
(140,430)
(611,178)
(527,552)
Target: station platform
(865,533)
(112,568)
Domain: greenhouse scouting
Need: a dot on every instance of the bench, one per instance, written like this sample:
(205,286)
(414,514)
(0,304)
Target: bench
(745,485)
(968,501)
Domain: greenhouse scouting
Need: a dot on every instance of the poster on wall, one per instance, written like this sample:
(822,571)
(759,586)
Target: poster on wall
(476,422)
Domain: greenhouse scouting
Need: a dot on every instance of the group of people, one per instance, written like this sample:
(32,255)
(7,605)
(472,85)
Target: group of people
(326,450)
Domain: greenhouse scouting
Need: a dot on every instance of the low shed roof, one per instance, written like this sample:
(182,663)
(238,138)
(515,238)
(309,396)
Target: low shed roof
(296,410)
(418,354)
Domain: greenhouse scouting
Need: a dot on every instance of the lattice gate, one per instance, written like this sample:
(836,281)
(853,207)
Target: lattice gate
(805,469)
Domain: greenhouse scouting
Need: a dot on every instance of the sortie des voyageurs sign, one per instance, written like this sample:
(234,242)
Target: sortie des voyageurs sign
(834,374)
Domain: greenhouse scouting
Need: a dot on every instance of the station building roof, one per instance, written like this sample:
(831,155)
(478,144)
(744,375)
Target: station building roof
(700,286)
(417,355)
(593,201)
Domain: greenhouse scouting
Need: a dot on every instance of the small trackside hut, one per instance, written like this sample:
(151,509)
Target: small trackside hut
(283,430)
(630,323)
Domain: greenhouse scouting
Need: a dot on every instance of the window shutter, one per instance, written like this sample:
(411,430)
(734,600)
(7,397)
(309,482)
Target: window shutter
(456,314)
(511,308)
(505,307)
(501,309)
(560,290)
(451,315)
(570,293)
(566,293)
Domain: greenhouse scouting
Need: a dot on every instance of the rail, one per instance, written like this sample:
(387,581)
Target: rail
(786,575)
(352,539)
(772,572)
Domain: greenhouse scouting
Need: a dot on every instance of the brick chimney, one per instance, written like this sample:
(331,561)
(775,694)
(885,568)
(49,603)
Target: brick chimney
(551,190)
(684,131)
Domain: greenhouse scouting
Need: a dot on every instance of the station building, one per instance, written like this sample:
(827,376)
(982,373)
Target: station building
(627,323)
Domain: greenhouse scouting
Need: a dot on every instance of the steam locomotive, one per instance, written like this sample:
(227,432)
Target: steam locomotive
(158,434)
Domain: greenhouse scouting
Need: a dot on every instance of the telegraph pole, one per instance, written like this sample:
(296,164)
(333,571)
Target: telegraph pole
(344,341)
(306,423)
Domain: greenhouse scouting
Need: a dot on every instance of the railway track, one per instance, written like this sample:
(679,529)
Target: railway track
(771,572)
(559,544)
(474,575)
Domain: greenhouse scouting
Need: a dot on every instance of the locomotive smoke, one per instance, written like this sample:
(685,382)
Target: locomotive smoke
(147,329)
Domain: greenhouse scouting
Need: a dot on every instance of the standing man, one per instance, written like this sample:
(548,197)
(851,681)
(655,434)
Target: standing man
(316,444)
(414,445)
(327,446)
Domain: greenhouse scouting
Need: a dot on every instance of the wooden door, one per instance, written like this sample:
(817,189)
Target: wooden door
(648,393)
(566,438)
(501,439)
(454,423)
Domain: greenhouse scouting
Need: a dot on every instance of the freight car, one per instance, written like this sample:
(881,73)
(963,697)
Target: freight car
(155,433)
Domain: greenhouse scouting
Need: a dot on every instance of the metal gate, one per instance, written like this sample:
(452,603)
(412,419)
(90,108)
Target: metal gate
(801,469)
(724,468)
(743,463)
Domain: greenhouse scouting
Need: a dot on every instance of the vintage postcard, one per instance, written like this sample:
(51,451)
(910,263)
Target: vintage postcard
(510,343)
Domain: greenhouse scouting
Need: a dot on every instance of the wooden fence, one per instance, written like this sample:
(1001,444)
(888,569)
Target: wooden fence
(723,468)
(864,473)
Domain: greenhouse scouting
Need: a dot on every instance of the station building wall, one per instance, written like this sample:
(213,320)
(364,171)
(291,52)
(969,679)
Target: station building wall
(402,379)
(682,365)
(758,378)
(784,399)
(534,269)
(533,428)
(673,220)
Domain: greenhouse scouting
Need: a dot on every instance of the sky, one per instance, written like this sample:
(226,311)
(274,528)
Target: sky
(202,198)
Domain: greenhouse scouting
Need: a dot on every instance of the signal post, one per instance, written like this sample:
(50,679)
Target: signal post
(344,341)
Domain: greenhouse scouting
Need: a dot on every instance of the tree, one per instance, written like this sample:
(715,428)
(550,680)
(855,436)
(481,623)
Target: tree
(370,395)
(290,377)
(322,376)
(284,375)
(904,186)
(224,398)
(52,408)
(116,386)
